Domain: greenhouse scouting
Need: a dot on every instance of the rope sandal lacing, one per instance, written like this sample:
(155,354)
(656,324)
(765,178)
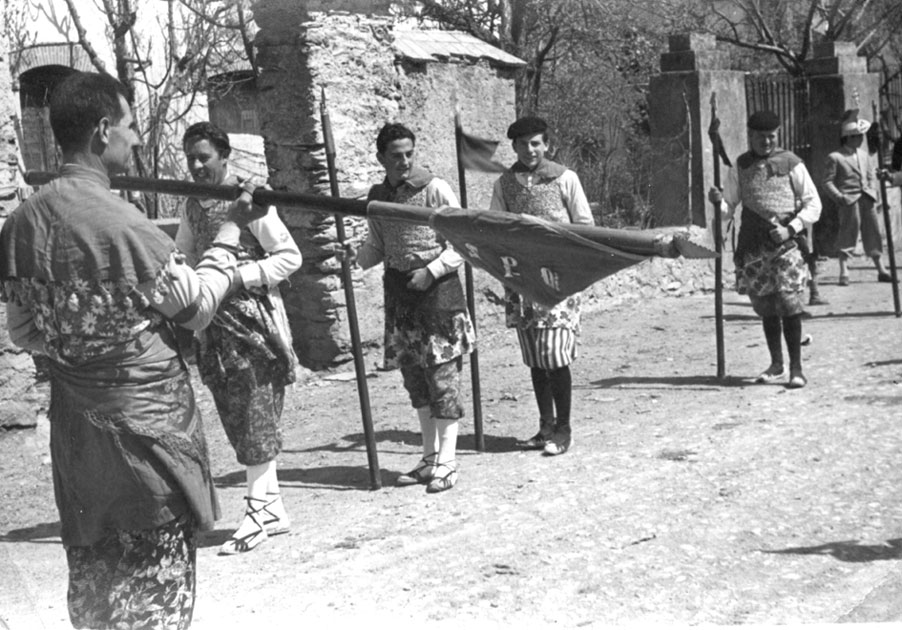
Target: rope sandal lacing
(242,544)
(440,483)
(274,523)
(422,474)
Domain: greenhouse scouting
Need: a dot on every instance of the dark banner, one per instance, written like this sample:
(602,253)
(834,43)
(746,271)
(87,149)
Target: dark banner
(476,154)
(542,260)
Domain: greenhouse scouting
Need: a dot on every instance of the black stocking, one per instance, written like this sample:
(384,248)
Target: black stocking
(772,329)
(541,385)
(562,388)
(792,331)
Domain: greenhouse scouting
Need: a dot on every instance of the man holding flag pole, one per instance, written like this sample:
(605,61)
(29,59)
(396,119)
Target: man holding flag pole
(779,201)
(427,330)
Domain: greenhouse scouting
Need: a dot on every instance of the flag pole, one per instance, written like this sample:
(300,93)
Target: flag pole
(637,242)
(347,281)
(714,134)
(471,301)
(888,226)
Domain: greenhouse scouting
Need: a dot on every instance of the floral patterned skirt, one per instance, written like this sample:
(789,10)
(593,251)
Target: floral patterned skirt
(135,579)
(425,328)
(521,312)
(774,281)
(246,361)
(765,272)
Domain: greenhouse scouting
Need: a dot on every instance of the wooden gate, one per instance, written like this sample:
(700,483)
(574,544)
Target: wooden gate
(786,96)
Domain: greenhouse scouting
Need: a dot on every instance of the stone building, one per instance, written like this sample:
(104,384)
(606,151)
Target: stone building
(37,70)
(372,70)
(19,401)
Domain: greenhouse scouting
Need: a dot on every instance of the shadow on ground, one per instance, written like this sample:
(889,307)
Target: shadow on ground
(848,550)
(669,382)
(42,532)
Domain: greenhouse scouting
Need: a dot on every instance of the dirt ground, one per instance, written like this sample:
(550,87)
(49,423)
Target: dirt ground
(685,500)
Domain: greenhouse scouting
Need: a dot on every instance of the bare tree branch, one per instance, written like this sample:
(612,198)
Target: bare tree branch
(95,59)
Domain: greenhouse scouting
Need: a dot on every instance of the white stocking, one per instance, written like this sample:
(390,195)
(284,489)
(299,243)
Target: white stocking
(447,440)
(260,477)
(430,436)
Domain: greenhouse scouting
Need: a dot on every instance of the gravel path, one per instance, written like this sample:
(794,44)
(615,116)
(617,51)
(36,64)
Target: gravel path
(685,500)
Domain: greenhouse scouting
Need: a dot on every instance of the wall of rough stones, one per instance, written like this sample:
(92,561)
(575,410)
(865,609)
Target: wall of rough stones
(348,55)
(19,404)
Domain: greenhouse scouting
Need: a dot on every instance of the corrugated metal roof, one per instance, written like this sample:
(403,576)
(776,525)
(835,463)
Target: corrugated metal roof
(432,45)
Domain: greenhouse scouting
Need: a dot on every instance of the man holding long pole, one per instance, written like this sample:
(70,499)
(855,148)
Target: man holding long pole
(779,201)
(427,330)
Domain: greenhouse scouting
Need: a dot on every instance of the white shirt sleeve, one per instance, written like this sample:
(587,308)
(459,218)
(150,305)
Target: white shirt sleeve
(190,297)
(731,197)
(575,198)
(807,197)
(439,194)
(284,256)
(184,238)
(372,252)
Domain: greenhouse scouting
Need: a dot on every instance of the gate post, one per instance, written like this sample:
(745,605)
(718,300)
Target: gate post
(679,115)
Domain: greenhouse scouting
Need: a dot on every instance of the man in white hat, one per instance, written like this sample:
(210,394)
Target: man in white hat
(851,183)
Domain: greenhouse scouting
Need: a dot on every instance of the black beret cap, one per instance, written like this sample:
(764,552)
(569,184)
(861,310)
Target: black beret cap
(528,125)
(764,121)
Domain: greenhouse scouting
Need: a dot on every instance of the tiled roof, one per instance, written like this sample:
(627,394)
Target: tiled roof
(434,45)
(68,55)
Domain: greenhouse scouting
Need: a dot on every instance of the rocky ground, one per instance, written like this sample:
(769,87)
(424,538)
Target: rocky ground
(686,499)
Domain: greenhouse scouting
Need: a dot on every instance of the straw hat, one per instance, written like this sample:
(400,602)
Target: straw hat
(852,125)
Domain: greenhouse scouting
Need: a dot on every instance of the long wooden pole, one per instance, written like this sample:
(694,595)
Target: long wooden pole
(718,245)
(639,242)
(886,218)
(471,303)
(351,304)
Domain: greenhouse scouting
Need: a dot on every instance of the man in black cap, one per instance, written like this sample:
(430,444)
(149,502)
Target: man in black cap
(535,185)
(779,201)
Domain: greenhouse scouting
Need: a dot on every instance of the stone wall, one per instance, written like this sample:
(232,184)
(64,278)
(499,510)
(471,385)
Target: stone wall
(19,403)
(9,144)
(348,54)
(430,94)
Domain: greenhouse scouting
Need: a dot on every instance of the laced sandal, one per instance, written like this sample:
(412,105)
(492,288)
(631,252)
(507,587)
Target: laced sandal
(422,474)
(275,521)
(771,374)
(247,542)
(440,483)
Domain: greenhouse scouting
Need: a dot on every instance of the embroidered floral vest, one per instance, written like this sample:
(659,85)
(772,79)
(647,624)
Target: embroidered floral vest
(409,245)
(542,199)
(764,184)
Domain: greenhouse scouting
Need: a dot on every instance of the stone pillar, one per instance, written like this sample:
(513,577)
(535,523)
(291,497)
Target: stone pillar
(838,81)
(9,143)
(305,47)
(19,403)
(679,109)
